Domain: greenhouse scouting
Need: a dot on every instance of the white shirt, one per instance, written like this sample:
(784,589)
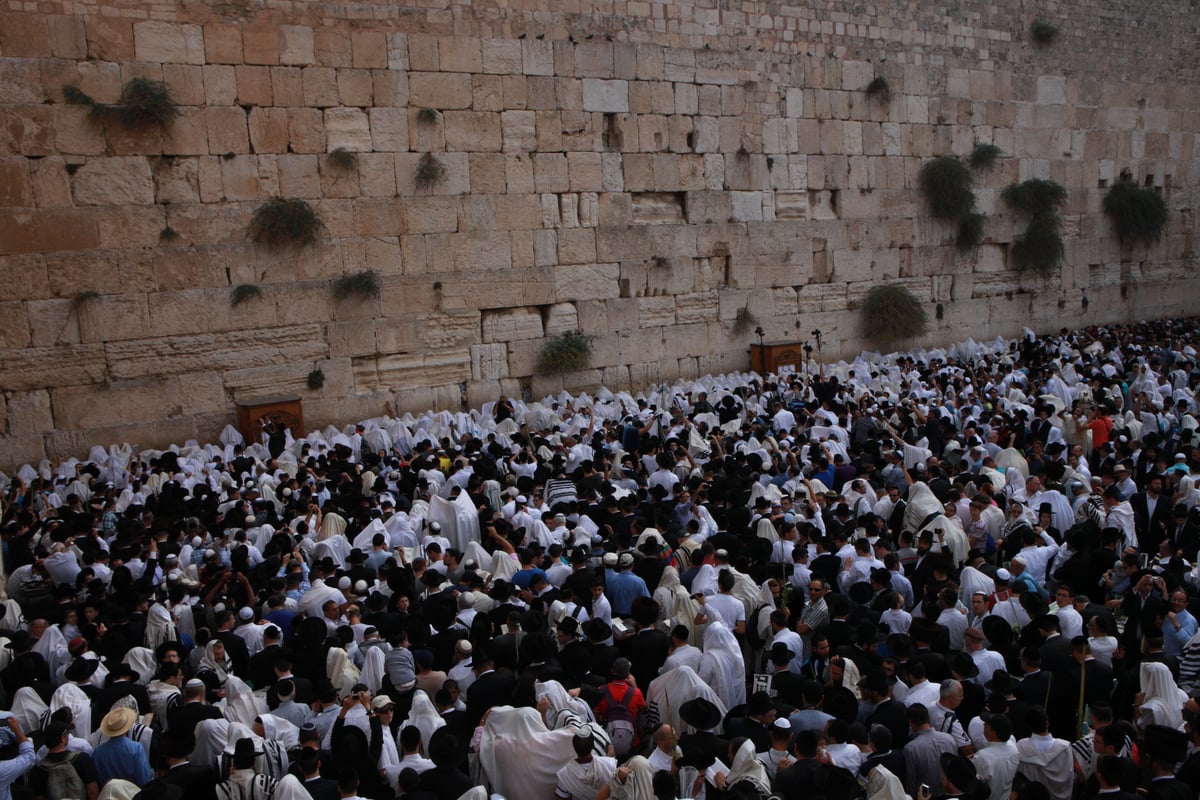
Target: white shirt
(731,609)
(955,622)
(997,765)
(925,693)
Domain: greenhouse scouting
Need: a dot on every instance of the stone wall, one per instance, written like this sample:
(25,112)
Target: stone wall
(646,172)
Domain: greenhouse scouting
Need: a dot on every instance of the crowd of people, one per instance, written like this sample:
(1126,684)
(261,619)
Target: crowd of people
(946,573)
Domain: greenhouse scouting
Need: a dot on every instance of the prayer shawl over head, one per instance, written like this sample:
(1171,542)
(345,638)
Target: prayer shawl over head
(373,669)
(29,709)
(883,785)
(1162,698)
(340,670)
(71,696)
(219,667)
(747,767)
(519,756)
(424,717)
(668,692)
(640,783)
(458,518)
(159,627)
(142,661)
(722,665)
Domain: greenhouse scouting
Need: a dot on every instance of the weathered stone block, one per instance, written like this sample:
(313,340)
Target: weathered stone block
(348,128)
(441,91)
(227,132)
(611,97)
(472,131)
(164,42)
(114,181)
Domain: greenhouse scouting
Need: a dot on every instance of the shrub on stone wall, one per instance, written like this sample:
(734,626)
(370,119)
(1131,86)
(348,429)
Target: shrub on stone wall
(566,352)
(343,159)
(144,103)
(242,293)
(947,182)
(363,285)
(1043,32)
(316,379)
(1138,212)
(891,314)
(280,222)
(429,172)
(1041,248)
(984,156)
(878,89)
(970,231)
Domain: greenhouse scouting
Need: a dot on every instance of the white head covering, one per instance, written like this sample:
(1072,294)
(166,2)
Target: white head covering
(211,735)
(340,670)
(373,669)
(289,787)
(142,660)
(71,696)
(29,708)
(564,711)
(159,626)
(209,661)
(241,704)
(514,736)
(882,784)
(278,729)
(424,716)
(747,767)
(119,789)
(722,665)
(1162,697)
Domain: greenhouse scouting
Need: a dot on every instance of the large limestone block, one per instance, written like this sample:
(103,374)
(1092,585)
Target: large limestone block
(257,347)
(439,90)
(577,246)
(489,362)
(74,364)
(506,288)
(699,307)
(609,97)
(587,281)
(164,42)
(510,324)
(561,318)
(473,131)
(14,326)
(113,318)
(347,128)
(114,181)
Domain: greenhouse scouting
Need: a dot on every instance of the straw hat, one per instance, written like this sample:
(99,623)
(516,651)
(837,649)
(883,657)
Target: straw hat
(118,722)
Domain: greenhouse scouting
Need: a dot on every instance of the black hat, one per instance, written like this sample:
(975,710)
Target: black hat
(875,679)
(1001,682)
(1165,744)
(1045,508)
(997,630)
(861,593)
(781,653)
(243,754)
(867,634)
(569,625)
(963,665)
(598,629)
(20,641)
(959,771)
(356,556)
(82,668)
(700,713)
(760,703)
(177,742)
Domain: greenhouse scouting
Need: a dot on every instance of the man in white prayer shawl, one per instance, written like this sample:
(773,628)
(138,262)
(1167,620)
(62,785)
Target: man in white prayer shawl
(585,775)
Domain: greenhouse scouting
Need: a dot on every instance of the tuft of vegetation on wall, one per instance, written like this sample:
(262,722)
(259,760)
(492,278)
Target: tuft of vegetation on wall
(891,314)
(281,222)
(566,352)
(363,285)
(242,293)
(947,185)
(1139,213)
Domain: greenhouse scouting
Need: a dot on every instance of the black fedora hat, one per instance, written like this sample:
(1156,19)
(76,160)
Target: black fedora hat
(700,713)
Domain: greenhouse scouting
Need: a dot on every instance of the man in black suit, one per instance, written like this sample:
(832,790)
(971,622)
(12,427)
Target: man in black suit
(121,682)
(261,672)
(755,725)
(702,748)
(888,712)
(1151,515)
(648,648)
(194,710)
(600,655)
(1165,747)
(814,668)
(446,780)
(797,780)
(197,781)
(235,646)
(490,688)
(1055,649)
(1035,687)
(310,769)
(1108,778)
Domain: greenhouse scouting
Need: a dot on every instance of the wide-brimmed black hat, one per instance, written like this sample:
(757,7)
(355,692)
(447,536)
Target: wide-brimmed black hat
(700,713)
(82,668)
(959,771)
(962,664)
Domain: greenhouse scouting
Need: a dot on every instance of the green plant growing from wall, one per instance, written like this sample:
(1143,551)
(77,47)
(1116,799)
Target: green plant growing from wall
(242,293)
(565,352)
(82,298)
(947,185)
(430,171)
(984,156)
(878,89)
(744,321)
(76,96)
(1043,32)
(316,379)
(427,116)
(343,159)
(1137,212)
(363,285)
(168,235)
(280,222)
(144,103)
(1041,248)
(970,231)
(891,314)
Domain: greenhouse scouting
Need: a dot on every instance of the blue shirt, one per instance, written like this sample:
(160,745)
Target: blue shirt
(1174,640)
(622,589)
(10,771)
(121,758)
(523,577)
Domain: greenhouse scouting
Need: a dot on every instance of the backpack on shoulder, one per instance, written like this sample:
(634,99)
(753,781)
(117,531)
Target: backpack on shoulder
(62,781)
(619,722)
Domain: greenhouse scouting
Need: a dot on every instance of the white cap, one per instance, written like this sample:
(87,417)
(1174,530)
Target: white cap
(250,520)
(344,583)
(435,526)
(287,492)
(610,559)
(1003,575)
(360,587)
(246,613)
(522,500)
(626,560)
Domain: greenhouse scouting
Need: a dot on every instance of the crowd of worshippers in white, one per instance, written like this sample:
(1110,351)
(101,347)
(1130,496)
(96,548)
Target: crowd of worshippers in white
(934,574)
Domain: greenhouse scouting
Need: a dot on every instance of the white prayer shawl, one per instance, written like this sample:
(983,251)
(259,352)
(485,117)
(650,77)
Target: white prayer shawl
(722,666)
(70,696)
(241,704)
(668,692)
(119,789)
(160,695)
(665,593)
(474,793)
(159,627)
(373,669)
(210,742)
(765,529)
(882,784)
(640,783)
(564,709)
(504,566)
(14,618)
(29,709)
(519,756)
(142,660)
(333,525)
(278,729)
(320,593)
(705,582)
(289,787)
(52,646)
(1163,699)
(389,758)
(459,519)
(186,623)
(747,767)
(424,717)
(340,670)
(335,548)
(363,541)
